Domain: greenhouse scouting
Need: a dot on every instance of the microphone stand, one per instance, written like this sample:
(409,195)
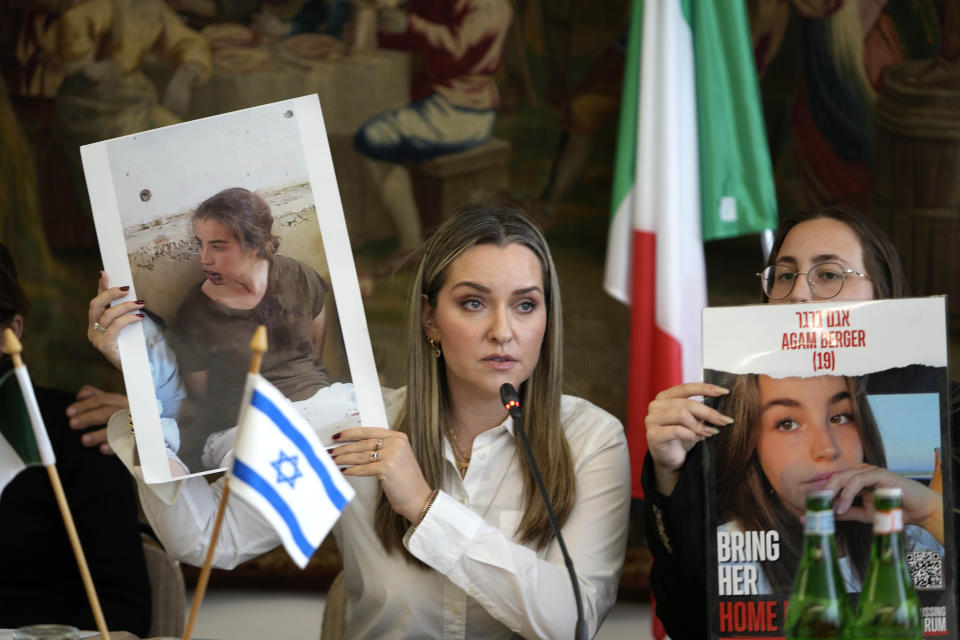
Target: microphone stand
(511,400)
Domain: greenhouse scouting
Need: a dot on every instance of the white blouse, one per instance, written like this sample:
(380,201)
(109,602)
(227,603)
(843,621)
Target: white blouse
(483,583)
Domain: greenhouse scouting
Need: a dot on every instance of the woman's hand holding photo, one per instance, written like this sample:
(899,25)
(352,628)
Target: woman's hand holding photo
(106,322)
(386,454)
(675,422)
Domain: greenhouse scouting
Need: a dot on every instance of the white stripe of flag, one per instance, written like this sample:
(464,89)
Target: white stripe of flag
(655,258)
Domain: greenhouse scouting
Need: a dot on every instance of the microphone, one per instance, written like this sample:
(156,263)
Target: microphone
(511,401)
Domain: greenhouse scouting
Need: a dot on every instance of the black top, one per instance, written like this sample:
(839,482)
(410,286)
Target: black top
(39,578)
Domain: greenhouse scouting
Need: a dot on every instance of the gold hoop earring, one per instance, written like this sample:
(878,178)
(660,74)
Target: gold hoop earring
(434,347)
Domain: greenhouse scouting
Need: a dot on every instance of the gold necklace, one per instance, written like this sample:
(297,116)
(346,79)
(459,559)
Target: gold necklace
(462,461)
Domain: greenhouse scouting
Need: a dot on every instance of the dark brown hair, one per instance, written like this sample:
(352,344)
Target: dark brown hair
(748,497)
(12,299)
(880,257)
(246,215)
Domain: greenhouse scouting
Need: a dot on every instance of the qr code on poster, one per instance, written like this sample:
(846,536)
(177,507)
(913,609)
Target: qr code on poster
(926,568)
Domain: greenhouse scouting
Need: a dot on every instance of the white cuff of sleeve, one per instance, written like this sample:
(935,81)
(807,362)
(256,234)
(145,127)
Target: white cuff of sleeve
(444,535)
(125,446)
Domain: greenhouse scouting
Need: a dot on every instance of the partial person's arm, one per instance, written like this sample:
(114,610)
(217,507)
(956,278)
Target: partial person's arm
(196,382)
(104,323)
(484,19)
(190,52)
(315,286)
(182,513)
(674,503)
(319,332)
(79,31)
(94,407)
(164,370)
(105,320)
(676,533)
(184,47)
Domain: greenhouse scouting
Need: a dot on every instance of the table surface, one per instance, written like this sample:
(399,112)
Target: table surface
(7,634)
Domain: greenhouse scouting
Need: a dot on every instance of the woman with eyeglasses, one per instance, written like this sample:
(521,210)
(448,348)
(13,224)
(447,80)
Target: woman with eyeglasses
(834,253)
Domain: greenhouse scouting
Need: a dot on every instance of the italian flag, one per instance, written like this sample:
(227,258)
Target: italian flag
(692,164)
(20,444)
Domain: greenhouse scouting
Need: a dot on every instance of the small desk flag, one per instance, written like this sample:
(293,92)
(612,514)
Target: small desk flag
(21,442)
(281,468)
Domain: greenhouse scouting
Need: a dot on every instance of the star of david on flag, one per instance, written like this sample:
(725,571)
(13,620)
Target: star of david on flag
(281,469)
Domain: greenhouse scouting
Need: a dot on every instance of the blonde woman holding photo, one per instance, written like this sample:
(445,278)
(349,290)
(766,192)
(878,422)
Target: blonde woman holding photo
(447,536)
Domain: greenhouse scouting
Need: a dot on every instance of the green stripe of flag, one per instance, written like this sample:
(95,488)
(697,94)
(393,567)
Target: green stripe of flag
(736,176)
(15,426)
(625,162)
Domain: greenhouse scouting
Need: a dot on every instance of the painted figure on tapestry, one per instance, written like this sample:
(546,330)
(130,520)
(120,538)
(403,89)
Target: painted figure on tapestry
(846,47)
(81,81)
(102,44)
(454,105)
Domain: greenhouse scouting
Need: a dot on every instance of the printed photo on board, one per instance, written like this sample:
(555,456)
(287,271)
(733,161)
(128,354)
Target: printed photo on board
(225,224)
(834,396)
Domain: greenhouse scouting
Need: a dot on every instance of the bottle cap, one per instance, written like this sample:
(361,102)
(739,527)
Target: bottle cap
(819,500)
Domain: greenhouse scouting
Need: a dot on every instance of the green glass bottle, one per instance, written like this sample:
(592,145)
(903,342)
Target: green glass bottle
(818,606)
(888,607)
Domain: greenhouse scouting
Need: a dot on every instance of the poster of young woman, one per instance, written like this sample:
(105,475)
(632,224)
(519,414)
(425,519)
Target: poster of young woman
(219,225)
(848,396)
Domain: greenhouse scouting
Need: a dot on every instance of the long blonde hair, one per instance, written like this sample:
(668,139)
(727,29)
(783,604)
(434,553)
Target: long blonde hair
(427,398)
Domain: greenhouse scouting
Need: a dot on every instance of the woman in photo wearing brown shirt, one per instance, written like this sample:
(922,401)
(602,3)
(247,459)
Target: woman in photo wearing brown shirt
(245,284)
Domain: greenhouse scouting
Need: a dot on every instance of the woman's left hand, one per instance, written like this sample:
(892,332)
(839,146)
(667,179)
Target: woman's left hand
(387,455)
(922,506)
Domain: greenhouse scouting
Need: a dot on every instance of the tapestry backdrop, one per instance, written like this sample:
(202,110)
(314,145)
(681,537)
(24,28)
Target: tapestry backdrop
(436,103)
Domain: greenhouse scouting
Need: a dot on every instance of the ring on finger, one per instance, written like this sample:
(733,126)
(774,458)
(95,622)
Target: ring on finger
(99,327)
(374,456)
(379,444)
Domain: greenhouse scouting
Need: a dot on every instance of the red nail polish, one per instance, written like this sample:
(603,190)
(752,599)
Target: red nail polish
(126,288)
(336,436)
(140,315)
(141,302)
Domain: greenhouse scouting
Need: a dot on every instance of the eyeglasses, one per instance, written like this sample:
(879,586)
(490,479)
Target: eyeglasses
(825,280)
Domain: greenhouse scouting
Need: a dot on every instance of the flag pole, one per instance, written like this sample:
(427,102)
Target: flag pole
(258,345)
(14,348)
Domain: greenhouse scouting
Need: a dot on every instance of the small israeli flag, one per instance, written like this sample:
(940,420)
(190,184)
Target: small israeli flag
(281,469)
